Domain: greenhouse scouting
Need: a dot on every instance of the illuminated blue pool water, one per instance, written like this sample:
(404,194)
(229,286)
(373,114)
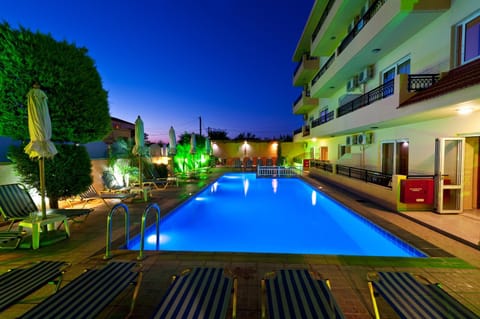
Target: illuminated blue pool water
(242,213)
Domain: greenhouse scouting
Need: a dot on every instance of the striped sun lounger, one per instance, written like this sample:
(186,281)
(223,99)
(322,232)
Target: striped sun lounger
(412,299)
(18,283)
(87,295)
(199,293)
(16,204)
(295,294)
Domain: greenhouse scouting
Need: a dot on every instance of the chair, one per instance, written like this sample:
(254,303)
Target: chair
(92,194)
(10,239)
(87,295)
(199,293)
(20,282)
(412,299)
(16,204)
(295,294)
(111,183)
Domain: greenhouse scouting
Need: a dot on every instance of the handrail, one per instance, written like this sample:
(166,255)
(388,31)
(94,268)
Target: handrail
(142,231)
(108,253)
(277,171)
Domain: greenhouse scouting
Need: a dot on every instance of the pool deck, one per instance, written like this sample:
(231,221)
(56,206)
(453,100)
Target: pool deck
(454,263)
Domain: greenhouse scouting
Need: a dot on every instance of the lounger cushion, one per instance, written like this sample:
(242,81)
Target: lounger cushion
(412,299)
(295,294)
(201,293)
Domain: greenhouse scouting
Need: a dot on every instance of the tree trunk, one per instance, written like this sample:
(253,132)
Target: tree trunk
(53,202)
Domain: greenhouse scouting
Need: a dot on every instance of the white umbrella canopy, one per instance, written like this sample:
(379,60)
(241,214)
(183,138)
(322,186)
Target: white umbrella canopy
(173,141)
(40,130)
(208,147)
(139,147)
(193,144)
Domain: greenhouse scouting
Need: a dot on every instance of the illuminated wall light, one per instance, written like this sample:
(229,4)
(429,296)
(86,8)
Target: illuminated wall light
(464,110)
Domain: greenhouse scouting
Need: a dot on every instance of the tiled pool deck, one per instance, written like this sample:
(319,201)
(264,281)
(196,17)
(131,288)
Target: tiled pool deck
(454,264)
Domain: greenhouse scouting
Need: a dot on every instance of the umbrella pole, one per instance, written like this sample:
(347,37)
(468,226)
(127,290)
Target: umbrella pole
(140,171)
(41,163)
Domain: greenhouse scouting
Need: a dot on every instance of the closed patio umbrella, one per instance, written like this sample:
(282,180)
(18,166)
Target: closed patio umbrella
(193,144)
(40,131)
(208,147)
(139,147)
(173,141)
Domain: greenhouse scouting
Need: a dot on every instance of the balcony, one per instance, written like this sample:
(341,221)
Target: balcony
(304,103)
(385,25)
(323,118)
(305,70)
(380,105)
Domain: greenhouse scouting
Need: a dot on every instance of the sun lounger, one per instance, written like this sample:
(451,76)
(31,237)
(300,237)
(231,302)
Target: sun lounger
(16,204)
(295,294)
(18,283)
(87,295)
(199,293)
(10,239)
(413,299)
(91,194)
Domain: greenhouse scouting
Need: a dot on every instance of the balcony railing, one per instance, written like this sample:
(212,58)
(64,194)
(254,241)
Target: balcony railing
(322,19)
(323,165)
(306,130)
(365,175)
(372,10)
(376,94)
(324,118)
(297,131)
(323,69)
(305,93)
(420,82)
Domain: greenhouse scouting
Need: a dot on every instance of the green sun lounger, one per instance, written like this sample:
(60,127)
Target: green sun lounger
(16,204)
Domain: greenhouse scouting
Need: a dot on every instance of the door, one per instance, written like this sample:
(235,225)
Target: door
(449,158)
(324,153)
(395,157)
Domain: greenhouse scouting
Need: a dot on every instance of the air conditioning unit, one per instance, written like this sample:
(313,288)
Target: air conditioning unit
(365,8)
(366,74)
(365,138)
(348,140)
(354,139)
(352,84)
(352,24)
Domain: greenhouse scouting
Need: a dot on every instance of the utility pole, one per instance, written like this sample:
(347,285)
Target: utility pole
(200,120)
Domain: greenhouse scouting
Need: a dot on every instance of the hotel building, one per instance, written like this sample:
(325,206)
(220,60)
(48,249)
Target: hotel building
(390,97)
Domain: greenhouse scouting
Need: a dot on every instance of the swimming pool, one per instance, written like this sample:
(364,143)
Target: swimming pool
(242,213)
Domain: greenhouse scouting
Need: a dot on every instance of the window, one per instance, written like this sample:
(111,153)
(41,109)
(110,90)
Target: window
(468,39)
(400,67)
(395,157)
(343,150)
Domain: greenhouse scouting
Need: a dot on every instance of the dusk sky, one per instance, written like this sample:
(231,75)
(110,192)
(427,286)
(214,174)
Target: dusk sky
(171,62)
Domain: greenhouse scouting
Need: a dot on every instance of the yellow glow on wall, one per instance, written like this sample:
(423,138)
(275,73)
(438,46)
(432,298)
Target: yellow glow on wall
(464,110)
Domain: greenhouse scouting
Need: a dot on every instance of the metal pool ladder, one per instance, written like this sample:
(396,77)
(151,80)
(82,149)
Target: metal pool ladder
(108,253)
(142,232)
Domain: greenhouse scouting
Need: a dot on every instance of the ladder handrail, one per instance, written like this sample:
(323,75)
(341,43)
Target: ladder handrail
(108,253)
(142,231)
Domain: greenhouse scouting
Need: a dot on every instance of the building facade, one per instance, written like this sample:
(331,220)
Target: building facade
(390,90)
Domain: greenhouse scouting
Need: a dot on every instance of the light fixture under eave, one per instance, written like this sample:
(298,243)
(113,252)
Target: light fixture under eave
(464,110)
(376,50)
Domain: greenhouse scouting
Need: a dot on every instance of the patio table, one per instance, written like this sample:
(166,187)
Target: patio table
(35,224)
